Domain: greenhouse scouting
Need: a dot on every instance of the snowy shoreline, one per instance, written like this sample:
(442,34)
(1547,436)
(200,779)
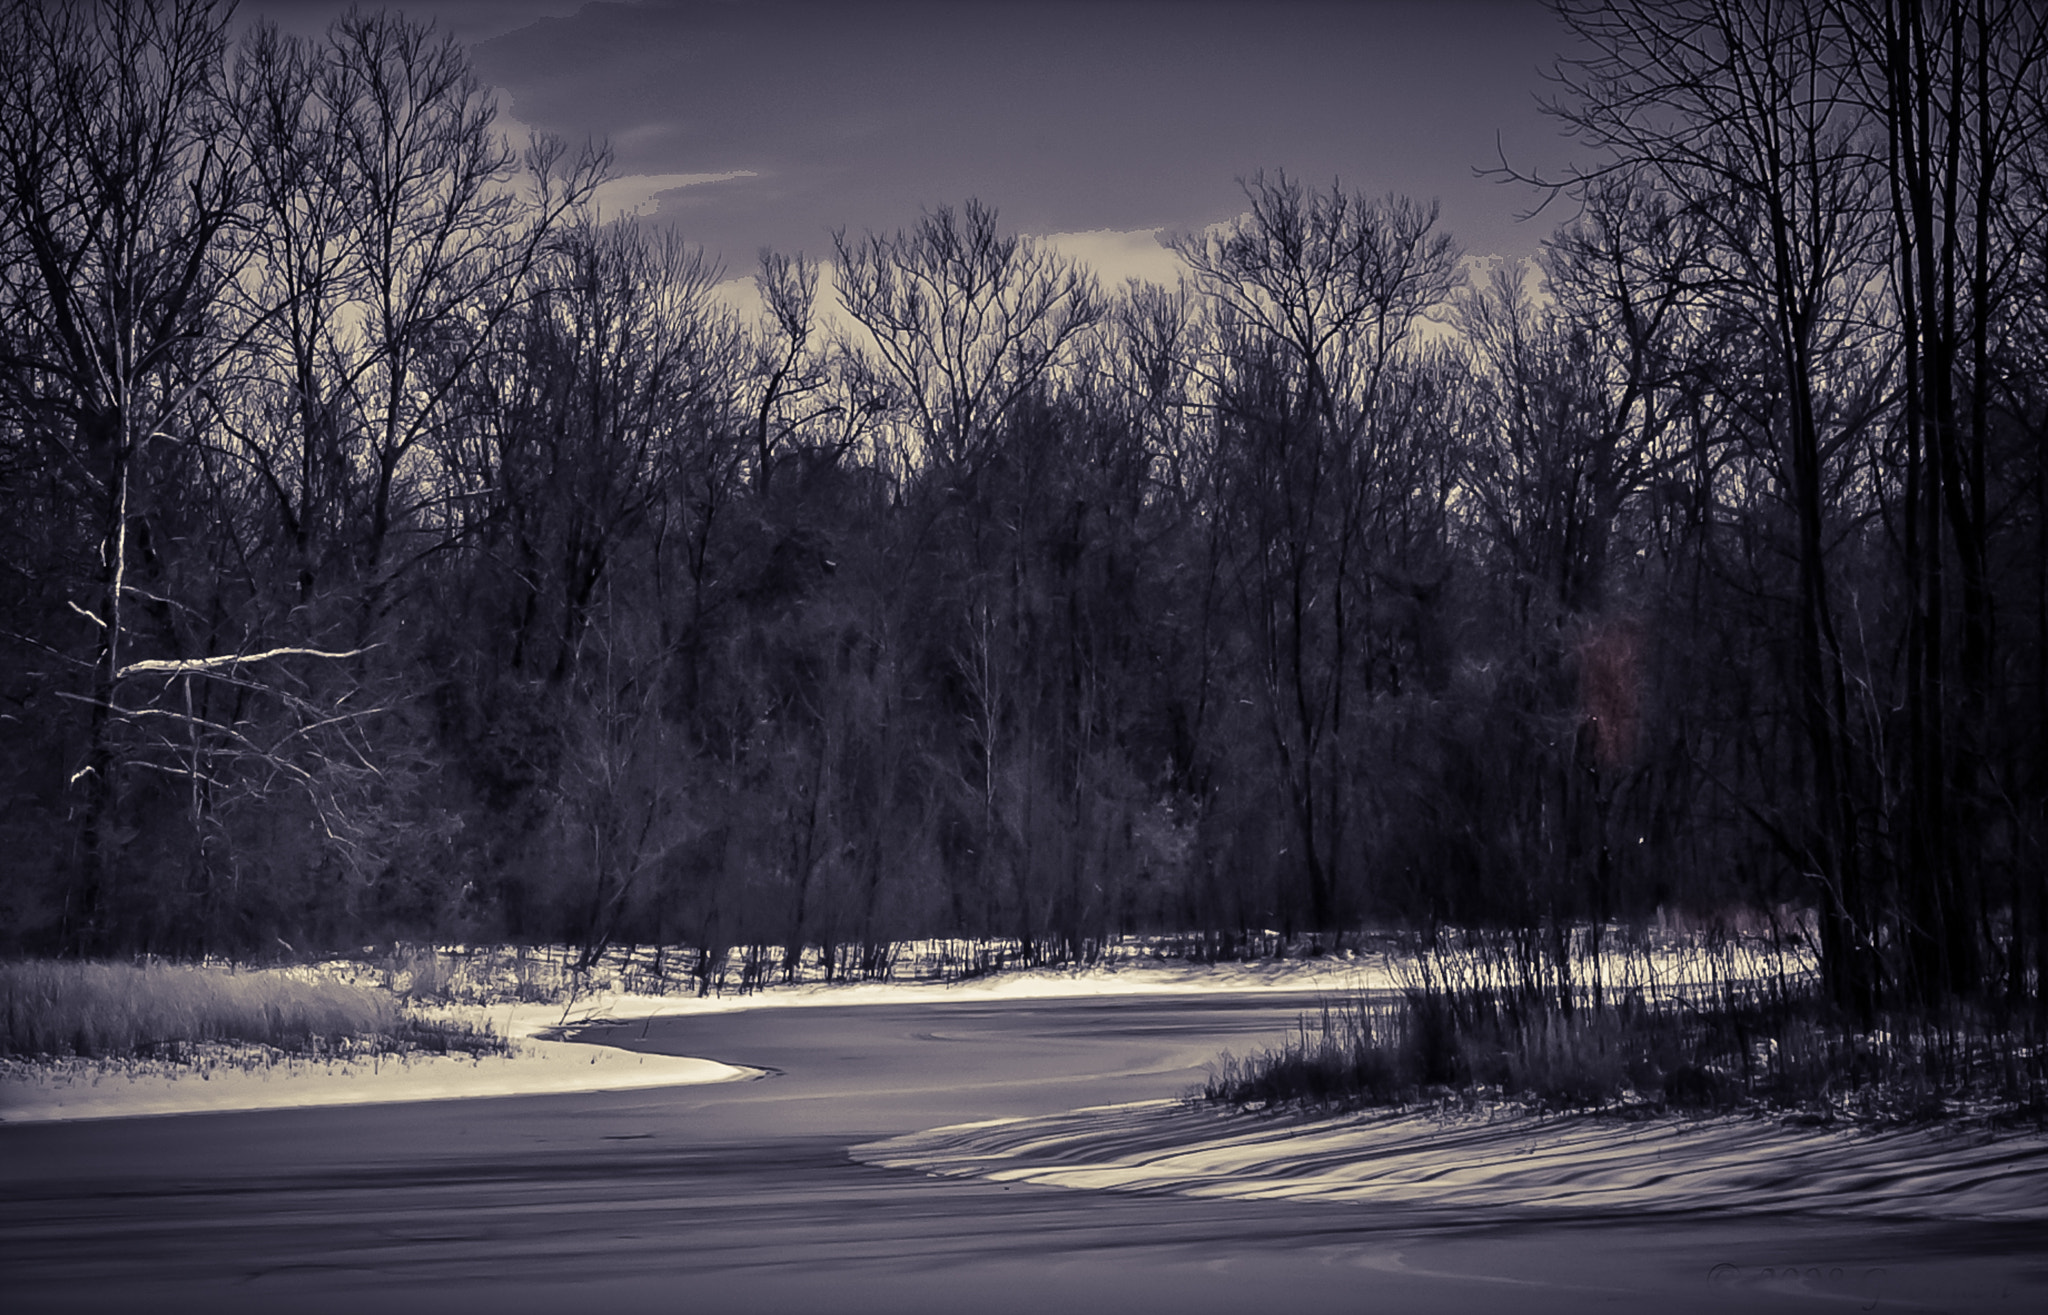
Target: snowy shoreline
(241,1078)
(1479,1159)
(223,1078)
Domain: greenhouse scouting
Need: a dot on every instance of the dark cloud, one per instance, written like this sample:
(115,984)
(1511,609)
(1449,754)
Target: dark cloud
(1066,116)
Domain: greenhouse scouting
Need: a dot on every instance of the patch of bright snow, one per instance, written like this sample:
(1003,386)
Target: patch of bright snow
(1497,1159)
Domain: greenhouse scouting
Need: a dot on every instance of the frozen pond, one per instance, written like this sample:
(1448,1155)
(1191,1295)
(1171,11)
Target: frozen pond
(748,1193)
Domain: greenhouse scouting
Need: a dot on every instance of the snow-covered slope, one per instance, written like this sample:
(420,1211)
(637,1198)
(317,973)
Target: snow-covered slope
(1489,1159)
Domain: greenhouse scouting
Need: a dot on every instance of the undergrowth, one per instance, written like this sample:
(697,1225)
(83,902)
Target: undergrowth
(1752,1033)
(561,974)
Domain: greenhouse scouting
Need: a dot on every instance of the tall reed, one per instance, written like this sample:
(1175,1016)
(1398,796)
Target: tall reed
(110,1010)
(1720,1027)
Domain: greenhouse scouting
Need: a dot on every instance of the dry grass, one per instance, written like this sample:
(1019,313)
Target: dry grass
(121,1010)
(1751,1033)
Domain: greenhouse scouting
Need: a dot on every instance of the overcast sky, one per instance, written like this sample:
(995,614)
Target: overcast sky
(750,123)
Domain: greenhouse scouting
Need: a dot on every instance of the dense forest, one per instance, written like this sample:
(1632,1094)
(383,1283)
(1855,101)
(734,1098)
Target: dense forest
(392,547)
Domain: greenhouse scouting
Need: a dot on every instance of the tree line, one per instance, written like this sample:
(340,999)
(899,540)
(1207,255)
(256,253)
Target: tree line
(393,548)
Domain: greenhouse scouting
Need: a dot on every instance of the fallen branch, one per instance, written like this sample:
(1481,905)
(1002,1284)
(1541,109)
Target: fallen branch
(201,666)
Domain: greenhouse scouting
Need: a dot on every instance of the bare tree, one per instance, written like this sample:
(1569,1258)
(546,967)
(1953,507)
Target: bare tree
(1315,296)
(394,232)
(1952,83)
(1341,280)
(284,408)
(793,380)
(616,368)
(964,318)
(1745,115)
(116,187)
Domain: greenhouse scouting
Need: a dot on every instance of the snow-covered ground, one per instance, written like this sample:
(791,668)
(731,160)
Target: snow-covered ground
(1502,1157)
(245,1078)
(1482,1159)
(248,1078)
